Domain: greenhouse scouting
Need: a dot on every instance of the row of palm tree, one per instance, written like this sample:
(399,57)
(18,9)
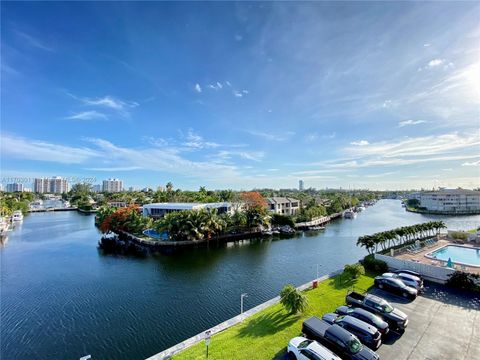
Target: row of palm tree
(399,236)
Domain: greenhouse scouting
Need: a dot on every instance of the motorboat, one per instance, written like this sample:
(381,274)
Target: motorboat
(349,214)
(17,215)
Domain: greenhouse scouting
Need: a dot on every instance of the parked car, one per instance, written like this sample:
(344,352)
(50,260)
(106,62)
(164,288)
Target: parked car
(410,272)
(300,348)
(408,279)
(396,319)
(366,333)
(365,316)
(396,286)
(337,339)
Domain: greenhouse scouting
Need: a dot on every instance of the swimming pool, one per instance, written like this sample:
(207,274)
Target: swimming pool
(459,255)
(152,233)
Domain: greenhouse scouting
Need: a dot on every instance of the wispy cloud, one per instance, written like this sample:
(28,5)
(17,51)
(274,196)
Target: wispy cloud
(33,41)
(435,62)
(360,143)
(271,136)
(88,115)
(471,163)
(32,149)
(198,88)
(195,141)
(122,107)
(410,122)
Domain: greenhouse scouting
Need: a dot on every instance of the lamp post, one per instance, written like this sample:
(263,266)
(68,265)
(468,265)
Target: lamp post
(207,340)
(244,295)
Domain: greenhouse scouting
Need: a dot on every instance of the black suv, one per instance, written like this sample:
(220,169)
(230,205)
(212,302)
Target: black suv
(366,333)
(396,286)
(365,316)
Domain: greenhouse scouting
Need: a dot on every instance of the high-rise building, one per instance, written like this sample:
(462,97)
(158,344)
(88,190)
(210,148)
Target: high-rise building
(55,185)
(112,185)
(15,187)
(301,185)
(97,188)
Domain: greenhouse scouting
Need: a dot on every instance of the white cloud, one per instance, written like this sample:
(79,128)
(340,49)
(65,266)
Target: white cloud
(195,141)
(198,88)
(88,115)
(311,137)
(427,45)
(435,62)
(228,83)
(410,122)
(122,107)
(31,149)
(471,163)
(237,93)
(254,156)
(238,37)
(360,143)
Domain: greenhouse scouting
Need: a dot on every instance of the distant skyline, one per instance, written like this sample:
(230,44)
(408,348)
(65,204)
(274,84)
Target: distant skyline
(379,95)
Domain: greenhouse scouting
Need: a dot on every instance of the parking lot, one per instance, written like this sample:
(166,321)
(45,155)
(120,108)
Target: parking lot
(443,324)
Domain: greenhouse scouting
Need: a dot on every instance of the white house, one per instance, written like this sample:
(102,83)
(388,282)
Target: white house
(283,205)
(157,210)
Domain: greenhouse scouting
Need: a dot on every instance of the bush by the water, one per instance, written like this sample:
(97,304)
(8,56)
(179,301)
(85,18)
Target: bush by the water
(459,235)
(293,300)
(465,281)
(370,263)
(353,271)
(279,219)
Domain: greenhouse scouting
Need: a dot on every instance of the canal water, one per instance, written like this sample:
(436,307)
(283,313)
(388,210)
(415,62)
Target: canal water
(62,299)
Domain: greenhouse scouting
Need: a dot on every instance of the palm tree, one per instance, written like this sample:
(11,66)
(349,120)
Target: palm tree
(293,300)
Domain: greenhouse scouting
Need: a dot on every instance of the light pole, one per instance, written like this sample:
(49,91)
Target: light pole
(207,340)
(318,267)
(244,295)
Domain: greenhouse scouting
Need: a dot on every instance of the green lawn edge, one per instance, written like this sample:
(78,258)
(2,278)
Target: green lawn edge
(265,335)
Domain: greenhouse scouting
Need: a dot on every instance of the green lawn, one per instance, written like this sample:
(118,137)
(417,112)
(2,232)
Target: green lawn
(266,334)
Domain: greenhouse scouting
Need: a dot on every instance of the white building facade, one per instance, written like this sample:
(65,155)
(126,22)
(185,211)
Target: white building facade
(457,201)
(283,205)
(55,185)
(112,185)
(14,187)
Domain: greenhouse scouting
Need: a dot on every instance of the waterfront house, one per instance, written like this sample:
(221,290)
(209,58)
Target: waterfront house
(157,210)
(283,205)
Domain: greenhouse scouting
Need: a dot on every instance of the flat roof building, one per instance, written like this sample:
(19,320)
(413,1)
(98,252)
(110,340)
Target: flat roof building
(112,185)
(454,201)
(157,210)
(283,205)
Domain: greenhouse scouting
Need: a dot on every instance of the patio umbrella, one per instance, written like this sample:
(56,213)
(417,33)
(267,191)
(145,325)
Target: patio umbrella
(449,263)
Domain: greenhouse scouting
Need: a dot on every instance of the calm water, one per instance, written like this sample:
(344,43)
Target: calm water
(62,299)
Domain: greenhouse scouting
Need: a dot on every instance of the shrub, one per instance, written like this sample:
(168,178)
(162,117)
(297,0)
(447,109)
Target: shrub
(279,219)
(459,235)
(465,281)
(372,264)
(293,300)
(353,271)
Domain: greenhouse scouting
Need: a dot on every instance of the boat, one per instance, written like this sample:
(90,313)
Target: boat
(316,228)
(349,214)
(360,208)
(17,216)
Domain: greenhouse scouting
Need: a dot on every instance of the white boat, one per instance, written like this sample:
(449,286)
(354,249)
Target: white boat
(360,208)
(349,214)
(17,215)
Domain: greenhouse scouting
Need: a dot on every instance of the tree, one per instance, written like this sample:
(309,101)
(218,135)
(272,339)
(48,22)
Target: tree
(293,300)
(353,271)
(253,199)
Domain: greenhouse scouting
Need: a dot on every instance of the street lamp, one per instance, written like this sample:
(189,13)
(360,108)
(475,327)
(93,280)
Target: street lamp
(244,295)
(207,340)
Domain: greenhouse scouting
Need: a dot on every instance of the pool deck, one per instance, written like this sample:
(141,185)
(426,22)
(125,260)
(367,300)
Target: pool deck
(421,258)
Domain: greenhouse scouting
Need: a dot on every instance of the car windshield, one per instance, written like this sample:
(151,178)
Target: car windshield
(387,308)
(304,344)
(354,346)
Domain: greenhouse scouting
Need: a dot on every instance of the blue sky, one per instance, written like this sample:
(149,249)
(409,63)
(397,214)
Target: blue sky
(240,95)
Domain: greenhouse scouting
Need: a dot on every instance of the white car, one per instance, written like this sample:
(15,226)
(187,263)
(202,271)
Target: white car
(409,280)
(301,348)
